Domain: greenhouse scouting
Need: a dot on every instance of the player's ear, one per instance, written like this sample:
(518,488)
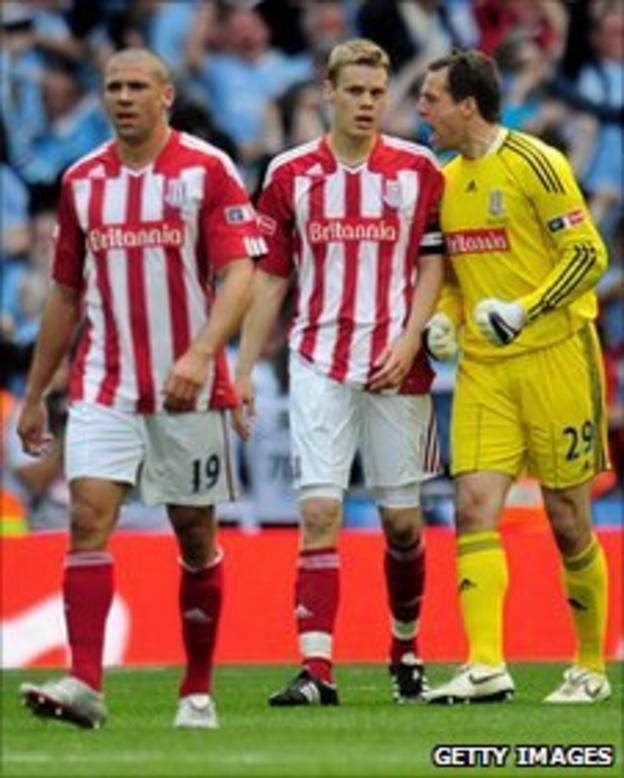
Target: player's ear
(168,96)
(469,104)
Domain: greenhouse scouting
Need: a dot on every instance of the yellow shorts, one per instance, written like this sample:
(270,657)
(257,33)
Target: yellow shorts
(543,412)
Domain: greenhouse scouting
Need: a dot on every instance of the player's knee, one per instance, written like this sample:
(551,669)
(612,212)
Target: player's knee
(89,527)
(320,520)
(195,529)
(401,526)
(473,510)
(570,522)
(400,535)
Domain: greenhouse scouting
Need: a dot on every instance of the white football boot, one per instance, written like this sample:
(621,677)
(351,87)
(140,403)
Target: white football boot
(473,683)
(66,699)
(196,711)
(581,686)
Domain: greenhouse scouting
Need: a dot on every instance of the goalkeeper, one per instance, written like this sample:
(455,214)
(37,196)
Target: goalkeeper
(525,259)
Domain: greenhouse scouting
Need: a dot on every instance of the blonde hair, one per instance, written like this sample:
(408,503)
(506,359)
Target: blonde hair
(357,51)
(140,56)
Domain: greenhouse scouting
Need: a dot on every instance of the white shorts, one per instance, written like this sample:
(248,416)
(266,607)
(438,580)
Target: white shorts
(180,459)
(329,421)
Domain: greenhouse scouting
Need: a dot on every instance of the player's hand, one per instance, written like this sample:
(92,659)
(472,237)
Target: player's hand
(440,338)
(243,417)
(499,322)
(394,363)
(186,379)
(30,427)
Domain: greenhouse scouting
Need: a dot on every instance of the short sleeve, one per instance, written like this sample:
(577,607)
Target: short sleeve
(276,221)
(228,221)
(69,243)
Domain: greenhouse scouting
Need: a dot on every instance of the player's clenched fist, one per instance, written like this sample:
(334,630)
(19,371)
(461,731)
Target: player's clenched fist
(499,322)
(441,337)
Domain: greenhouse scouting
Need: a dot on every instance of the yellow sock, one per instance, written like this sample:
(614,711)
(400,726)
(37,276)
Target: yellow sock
(482,580)
(585,580)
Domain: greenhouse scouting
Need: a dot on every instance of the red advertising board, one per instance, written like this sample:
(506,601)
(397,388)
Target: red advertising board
(257,625)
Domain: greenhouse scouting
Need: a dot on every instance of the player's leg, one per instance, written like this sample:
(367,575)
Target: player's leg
(487,453)
(404,571)
(323,430)
(188,467)
(399,450)
(585,582)
(200,598)
(102,451)
(568,447)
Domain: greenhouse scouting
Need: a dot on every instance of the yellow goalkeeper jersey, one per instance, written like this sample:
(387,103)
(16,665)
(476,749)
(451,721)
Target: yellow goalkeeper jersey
(517,228)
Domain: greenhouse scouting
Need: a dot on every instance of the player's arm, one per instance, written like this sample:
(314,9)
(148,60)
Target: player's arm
(582,257)
(190,372)
(270,286)
(232,240)
(395,361)
(268,293)
(61,314)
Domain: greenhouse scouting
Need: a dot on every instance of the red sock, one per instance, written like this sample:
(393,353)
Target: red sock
(405,580)
(87,596)
(317,590)
(201,592)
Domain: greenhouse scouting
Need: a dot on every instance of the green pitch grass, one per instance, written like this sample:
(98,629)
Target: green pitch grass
(366,735)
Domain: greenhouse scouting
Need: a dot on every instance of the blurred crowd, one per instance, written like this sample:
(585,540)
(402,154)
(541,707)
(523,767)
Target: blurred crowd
(249,79)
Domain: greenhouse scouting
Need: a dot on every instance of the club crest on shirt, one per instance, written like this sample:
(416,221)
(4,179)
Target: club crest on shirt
(392,196)
(174,193)
(496,206)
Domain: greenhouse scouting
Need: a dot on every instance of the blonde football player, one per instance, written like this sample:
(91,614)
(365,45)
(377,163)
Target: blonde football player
(525,258)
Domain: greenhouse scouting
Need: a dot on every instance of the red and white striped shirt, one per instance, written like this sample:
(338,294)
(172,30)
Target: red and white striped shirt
(143,247)
(353,235)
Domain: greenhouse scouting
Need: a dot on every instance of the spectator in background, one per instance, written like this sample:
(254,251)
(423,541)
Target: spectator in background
(52,35)
(243,80)
(525,70)
(14,199)
(544,21)
(22,67)
(406,30)
(14,246)
(304,112)
(598,146)
(168,28)
(23,295)
(188,114)
(74,125)
(34,34)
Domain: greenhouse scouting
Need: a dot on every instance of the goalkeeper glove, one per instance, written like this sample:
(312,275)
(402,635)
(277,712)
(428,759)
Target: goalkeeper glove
(440,338)
(499,322)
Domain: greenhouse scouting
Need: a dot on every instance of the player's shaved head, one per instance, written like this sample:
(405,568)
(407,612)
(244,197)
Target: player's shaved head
(144,58)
